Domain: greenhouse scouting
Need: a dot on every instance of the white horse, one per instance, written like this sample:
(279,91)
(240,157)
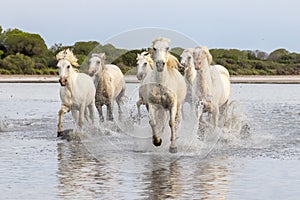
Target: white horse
(164,89)
(211,82)
(77,91)
(144,67)
(110,85)
(190,73)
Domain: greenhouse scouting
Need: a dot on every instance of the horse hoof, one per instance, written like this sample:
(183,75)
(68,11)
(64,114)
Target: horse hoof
(59,133)
(157,141)
(173,150)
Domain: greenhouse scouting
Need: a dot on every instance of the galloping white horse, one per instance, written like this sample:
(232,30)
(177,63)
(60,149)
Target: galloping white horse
(77,91)
(212,82)
(110,85)
(144,67)
(164,89)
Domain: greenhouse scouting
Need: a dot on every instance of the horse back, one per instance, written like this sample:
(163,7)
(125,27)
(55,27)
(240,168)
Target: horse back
(84,89)
(111,83)
(224,83)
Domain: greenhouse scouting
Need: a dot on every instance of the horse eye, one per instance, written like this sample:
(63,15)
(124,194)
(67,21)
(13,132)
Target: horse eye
(167,48)
(154,49)
(68,66)
(98,62)
(145,63)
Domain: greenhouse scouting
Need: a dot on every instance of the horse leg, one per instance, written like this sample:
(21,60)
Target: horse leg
(61,112)
(155,138)
(138,105)
(215,116)
(91,110)
(74,114)
(172,124)
(223,113)
(120,105)
(99,108)
(110,116)
(86,114)
(82,111)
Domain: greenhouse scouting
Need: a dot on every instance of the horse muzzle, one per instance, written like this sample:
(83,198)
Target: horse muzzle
(160,66)
(91,72)
(139,76)
(63,81)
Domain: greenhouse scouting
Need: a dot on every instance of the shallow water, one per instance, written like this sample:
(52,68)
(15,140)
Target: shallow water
(255,157)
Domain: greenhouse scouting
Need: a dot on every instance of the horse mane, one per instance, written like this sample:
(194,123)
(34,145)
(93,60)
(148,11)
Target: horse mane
(172,62)
(69,56)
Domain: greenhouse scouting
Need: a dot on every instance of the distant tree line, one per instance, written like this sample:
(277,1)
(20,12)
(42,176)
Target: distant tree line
(27,53)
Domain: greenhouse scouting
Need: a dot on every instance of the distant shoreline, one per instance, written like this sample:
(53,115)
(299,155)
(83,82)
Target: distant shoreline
(288,79)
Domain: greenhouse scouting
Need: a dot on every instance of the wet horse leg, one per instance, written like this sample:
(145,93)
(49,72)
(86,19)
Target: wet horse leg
(138,105)
(91,111)
(153,123)
(172,123)
(99,108)
(120,103)
(61,112)
(109,114)
(82,111)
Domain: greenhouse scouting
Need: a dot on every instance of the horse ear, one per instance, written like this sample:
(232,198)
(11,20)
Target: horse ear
(102,55)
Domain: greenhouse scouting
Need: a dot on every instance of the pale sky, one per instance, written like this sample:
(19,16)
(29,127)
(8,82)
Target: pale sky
(247,25)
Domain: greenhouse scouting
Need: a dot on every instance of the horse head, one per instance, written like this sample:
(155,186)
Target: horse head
(160,48)
(144,65)
(186,58)
(202,57)
(66,61)
(96,63)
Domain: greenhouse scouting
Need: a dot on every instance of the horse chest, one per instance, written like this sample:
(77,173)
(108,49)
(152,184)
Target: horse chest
(161,95)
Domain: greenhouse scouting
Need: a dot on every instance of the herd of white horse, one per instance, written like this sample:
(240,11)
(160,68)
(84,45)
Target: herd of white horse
(163,88)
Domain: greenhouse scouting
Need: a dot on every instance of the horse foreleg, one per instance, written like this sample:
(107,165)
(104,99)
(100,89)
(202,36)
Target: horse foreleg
(120,111)
(82,111)
(172,123)
(152,114)
(91,110)
(223,113)
(99,108)
(61,112)
(138,105)
(110,116)
(215,116)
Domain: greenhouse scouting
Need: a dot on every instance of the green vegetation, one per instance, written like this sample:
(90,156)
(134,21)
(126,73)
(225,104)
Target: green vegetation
(27,53)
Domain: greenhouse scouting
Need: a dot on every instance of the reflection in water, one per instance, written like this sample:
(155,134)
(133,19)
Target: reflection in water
(82,176)
(181,181)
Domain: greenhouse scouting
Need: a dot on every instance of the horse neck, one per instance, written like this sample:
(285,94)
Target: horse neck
(190,73)
(204,79)
(71,79)
(98,74)
(161,77)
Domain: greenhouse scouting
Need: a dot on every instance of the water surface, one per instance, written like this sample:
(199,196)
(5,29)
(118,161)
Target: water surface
(257,160)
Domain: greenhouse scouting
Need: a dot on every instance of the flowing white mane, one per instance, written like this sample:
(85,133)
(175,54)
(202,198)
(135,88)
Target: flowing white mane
(69,56)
